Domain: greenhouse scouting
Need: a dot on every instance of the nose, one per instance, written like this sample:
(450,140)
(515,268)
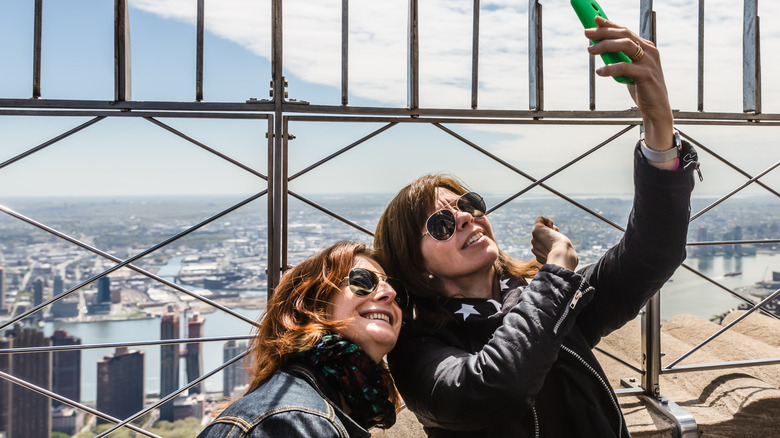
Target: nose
(384,292)
(462,219)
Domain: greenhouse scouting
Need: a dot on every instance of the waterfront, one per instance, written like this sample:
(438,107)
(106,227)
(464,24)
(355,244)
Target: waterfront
(686,293)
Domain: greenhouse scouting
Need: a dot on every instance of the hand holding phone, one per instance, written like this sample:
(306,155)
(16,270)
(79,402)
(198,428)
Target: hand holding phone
(587,11)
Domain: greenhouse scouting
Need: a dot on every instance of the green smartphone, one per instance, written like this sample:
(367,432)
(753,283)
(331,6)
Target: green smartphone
(587,11)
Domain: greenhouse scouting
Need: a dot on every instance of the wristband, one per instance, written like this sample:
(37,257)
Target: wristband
(661,156)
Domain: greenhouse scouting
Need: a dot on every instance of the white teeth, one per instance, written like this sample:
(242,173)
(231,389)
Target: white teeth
(381,316)
(473,239)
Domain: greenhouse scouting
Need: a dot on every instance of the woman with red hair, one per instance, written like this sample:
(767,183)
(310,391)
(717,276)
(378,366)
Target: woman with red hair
(317,365)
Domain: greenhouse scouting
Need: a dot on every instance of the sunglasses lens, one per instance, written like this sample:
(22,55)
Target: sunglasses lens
(441,225)
(401,296)
(473,204)
(362,281)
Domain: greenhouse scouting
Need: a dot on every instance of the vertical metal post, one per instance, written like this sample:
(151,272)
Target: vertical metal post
(122,86)
(701,57)
(413,75)
(276,162)
(592,80)
(651,346)
(751,59)
(36,86)
(651,319)
(344,51)
(535,71)
(199,54)
(285,151)
(475,56)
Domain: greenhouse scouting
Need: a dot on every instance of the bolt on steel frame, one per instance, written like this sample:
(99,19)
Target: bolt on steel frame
(278,112)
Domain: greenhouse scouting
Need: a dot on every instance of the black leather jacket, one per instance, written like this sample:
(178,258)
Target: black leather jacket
(531,372)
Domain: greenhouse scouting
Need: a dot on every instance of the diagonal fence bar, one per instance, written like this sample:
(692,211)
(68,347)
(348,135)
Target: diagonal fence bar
(206,147)
(173,395)
(85,408)
(724,329)
(735,191)
(51,142)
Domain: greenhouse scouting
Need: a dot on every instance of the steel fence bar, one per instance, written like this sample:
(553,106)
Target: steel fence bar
(199,52)
(734,242)
(345,149)
(535,55)
(115,259)
(172,395)
(539,182)
(751,58)
(413,63)
(206,147)
(475,56)
(725,328)
(735,191)
(130,259)
(606,353)
(534,180)
(330,213)
(700,75)
(735,294)
(591,80)
(726,162)
(56,348)
(47,393)
(721,365)
(50,142)
(122,54)
(134,114)
(344,52)
(37,34)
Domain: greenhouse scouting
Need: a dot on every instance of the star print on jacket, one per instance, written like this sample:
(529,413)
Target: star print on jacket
(466,310)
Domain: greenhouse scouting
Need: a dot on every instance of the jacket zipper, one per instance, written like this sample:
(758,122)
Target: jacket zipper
(536,422)
(603,384)
(572,304)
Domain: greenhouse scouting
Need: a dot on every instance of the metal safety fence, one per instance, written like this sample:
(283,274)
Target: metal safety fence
(280,116)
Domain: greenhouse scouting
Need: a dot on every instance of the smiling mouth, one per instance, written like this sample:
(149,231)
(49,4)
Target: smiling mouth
(473,239)
(380,316)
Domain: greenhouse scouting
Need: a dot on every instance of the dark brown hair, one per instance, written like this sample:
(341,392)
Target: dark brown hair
(397,239)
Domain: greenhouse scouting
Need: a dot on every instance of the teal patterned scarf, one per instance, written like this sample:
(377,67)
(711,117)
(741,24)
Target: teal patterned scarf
(364,384)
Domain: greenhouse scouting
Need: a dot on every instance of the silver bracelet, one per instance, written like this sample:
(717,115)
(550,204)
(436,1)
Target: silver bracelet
(661,156)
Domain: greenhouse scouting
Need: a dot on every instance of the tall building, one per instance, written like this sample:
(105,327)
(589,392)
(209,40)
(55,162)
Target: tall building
(195,352)
(169,361)
(104,290)
(120,383)
(234,375)
(37,291)
(25,413)
(66,368)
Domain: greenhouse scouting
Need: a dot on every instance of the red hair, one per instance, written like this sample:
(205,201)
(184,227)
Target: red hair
(297,315)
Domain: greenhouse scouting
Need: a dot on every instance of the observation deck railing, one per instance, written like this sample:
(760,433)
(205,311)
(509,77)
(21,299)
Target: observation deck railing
(278,113)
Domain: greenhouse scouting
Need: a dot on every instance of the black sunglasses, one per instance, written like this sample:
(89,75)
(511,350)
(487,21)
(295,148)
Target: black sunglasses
(363,282)
(441,224)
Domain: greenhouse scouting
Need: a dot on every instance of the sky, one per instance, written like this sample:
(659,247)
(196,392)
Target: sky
(132,156)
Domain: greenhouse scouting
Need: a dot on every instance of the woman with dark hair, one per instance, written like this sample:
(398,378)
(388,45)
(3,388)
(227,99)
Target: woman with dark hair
(316,362)
(496,347)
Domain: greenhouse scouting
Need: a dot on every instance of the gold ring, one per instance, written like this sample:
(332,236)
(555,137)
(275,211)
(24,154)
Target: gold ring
(638,54)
